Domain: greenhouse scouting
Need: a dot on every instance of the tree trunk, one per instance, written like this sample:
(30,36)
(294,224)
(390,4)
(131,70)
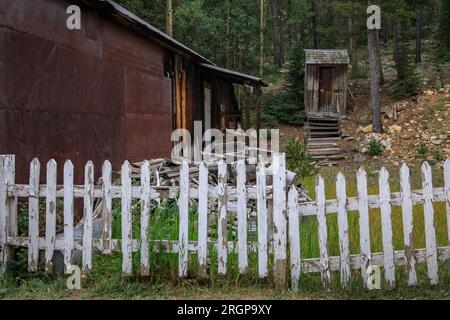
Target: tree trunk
(261,39)
(352,40)
(379,60)
(314,24)
(374,84)
(419,34)
(278,44)
(396,35)
(169,18)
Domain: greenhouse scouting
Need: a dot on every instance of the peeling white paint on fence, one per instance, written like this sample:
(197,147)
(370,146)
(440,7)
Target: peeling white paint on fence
(294,238)
(106,207)
(127,219)
(287,214)
(203,220)
(430,232)
(344,242)
(364,231)
(262,220)
(408,232)
(33,216)
(447,195)
(145,218)
(50,215)
(279,216)
(386,229)
(183,205)
(323,232)
(68,216)
(222,223)
(88,215)
(242,216)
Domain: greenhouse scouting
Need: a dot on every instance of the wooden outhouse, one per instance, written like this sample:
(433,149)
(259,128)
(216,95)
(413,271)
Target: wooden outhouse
(326,82)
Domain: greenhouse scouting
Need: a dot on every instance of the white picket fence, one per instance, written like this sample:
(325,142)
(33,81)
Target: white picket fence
(273,202)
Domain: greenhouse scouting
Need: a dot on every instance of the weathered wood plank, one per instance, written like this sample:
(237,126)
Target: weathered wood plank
(262,220)
(294,238)
(6,170)
(50,215)
(363,209)
(408,234)
(127,220)
(222,223)
(203,220)
(88,216)
(279,217)
(68,215)
(33,216)
(323,233)
(145,218)
(107,207)
(242,216)
(183,205)
(344,242)
(447,195)
(430,232)
(386,229)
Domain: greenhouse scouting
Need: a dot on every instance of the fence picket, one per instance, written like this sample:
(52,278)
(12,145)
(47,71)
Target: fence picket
(127,219)
(430,233)
(107,207)
(50,215)
(344,247)
(262,220)
(242,216)
(33,216)
(7,207)
(294,238)
(323,232)
(386,229)
(183,204)
(447,195)
(363,209)
(408,234)
(88,216)
(279,217)
(203,220)
(68,216)
(145,217)
(222,242)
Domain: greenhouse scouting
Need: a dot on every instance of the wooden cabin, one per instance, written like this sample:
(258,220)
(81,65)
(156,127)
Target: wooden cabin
(326,82)
(116,89)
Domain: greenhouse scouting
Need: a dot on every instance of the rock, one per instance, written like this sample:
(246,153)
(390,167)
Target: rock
(367,129)
(395,128)
(437,142)
(359,157)
(364,150)
(386,143)
(429,92)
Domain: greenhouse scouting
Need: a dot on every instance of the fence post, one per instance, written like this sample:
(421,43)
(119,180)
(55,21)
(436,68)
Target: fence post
(8,207)
(279,217)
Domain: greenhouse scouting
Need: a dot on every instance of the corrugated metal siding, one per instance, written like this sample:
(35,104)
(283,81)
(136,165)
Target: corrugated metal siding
(93,94)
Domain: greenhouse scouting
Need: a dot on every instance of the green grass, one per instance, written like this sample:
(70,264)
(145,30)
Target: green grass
(106,282)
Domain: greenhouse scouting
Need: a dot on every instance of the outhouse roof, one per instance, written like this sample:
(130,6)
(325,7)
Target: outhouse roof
(313,56)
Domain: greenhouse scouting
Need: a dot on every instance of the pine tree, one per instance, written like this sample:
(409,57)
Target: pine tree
(444,31)
(295,76)
(408,81)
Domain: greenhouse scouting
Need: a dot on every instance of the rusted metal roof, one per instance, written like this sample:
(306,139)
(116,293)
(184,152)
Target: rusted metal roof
(234,76)
(313,56)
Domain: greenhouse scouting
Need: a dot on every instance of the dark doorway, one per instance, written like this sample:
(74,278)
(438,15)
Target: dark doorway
(326,90)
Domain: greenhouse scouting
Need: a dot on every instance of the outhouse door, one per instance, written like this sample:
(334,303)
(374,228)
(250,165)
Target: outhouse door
(326,90)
